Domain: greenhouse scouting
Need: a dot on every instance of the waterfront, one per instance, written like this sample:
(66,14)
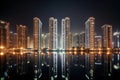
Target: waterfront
(71,65)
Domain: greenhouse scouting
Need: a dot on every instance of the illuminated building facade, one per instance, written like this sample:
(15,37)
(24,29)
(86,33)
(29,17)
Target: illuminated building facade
(53,43)
(70,40)
(65,33)
(22,36)
(82,39)
(89,33)
(107,36)
(15,40)
(53,39)
(28,42)
(4,34)
(98,41)
(11,41)
(76,40)
(45,40)
(37,32)
(116,40)
(66,38)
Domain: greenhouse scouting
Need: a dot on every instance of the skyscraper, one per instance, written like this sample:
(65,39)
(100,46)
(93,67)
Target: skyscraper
(107,36)
(21,36)
(89,33)
(82,39)
(28,41)
(15,40)
(37,32)
(65,33)
(65,42)
(116,36)
(11,41)
(76,40)
(53,39)
(98,41)
(53,43)
(4,34)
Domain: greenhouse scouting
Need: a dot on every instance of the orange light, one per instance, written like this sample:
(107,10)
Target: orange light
(1,47)
(21,48)
(21,53)
(13,53)
(1,53)
(42,53)
(108,53)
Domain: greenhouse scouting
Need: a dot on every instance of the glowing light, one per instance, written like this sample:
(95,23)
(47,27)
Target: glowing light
(1,47)
(21,53)
(75,49)
(70,52)
(42,53)
(1,53)
(108,52)
(75,52)
(2,22)
(21,48)
(13,53)
(116,67)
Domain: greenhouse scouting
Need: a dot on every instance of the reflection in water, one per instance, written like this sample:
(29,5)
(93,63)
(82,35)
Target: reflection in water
(60,66)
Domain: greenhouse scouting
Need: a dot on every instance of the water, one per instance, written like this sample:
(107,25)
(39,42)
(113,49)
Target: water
(60,66)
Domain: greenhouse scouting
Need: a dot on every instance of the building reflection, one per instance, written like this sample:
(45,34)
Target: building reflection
(60,65)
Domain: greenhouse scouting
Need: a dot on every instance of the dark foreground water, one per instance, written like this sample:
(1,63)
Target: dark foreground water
(60,66)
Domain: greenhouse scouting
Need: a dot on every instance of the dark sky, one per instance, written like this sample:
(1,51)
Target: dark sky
(23,12)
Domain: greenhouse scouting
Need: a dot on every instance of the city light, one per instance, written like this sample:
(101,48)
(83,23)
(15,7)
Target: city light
(58,53)
(1,53)
(1,47)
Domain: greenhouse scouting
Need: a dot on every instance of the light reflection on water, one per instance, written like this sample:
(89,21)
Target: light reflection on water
(61,66)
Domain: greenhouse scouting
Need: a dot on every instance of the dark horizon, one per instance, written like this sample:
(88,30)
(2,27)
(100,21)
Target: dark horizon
(23,12)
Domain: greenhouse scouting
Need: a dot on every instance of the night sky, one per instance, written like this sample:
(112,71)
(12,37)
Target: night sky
(23,12)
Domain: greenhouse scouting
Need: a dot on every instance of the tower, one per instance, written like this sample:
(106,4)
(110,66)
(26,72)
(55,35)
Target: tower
(4,34)
(21,36)
(37,32)
(65,33)
(89,32)
(53,39)
(53,43)
(107,36)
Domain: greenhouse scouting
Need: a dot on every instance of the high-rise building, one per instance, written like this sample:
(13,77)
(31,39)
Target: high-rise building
(82,39)
(15,40)
(66,39)
(98,41)
(116,36)
(45,40)
(89,33)
(37,32)
(70,40)
(65,33)
(107,36)
(53,43)
(4,34)
(28,42)
(11,41)
(53,31)
(21,36)
(76,40)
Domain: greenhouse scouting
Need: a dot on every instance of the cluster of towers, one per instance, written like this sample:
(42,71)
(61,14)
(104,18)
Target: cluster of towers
(67,40)
(9,40)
